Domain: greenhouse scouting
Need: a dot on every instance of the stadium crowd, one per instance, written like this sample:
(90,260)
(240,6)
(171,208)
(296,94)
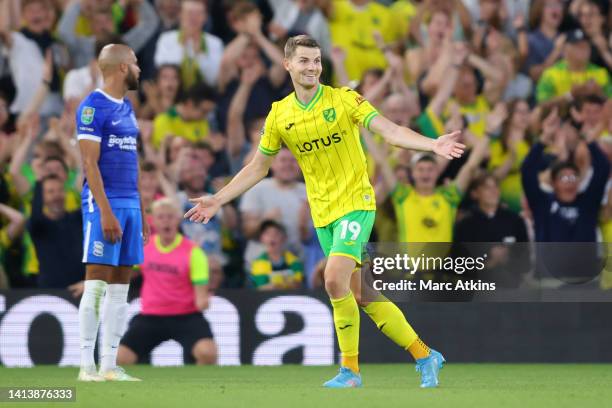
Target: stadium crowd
(528,82)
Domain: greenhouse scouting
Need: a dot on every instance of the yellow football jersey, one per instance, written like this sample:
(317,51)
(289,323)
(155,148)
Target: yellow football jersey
(426,218)
(171,124)
(323,135)
(476,115)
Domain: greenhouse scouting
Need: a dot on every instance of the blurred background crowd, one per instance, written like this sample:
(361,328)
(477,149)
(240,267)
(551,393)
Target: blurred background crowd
(528,82)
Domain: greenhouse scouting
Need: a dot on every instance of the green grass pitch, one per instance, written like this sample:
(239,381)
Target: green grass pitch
(390,385)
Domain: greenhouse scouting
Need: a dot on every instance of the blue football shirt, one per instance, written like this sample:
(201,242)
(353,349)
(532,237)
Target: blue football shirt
(111,122)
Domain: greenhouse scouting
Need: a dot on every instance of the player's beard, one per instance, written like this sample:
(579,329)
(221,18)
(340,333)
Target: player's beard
(131,81)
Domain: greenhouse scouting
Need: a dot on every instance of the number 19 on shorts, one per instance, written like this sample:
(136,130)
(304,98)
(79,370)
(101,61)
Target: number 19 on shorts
(351,227)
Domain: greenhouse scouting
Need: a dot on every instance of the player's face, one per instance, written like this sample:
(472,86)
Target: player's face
(166,221)
(133,73)
(566,185)
(425,174)
(305,67)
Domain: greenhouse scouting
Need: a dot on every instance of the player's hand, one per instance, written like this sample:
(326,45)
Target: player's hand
(146,231)
(111,228)
(77,289)
(204,209)
(448,147)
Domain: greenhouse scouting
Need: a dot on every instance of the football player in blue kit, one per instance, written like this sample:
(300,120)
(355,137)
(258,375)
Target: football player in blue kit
(114,229)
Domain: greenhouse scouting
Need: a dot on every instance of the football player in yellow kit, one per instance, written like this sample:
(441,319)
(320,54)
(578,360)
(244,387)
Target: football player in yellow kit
(320,126)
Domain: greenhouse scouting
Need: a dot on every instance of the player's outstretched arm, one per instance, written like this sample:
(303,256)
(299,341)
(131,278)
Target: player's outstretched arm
(446,146)
(207,206)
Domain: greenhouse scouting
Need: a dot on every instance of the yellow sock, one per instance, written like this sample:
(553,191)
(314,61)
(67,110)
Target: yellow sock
(346,322)
(418,349)
(391,321)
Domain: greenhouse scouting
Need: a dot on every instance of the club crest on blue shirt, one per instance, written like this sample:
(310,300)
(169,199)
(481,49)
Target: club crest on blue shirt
(87,115)
(329,114)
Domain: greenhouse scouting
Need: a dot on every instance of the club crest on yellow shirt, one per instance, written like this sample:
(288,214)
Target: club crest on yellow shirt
(329,114)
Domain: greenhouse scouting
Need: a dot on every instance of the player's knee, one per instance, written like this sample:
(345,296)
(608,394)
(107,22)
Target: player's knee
(335,287)
(126,356)
(205,352)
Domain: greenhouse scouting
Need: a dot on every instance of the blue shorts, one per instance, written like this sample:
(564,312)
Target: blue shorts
(127,252)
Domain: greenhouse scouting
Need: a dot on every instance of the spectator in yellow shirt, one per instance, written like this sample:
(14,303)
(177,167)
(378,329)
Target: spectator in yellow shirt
(472,104)
(353,25)
(188,118)
(573,70)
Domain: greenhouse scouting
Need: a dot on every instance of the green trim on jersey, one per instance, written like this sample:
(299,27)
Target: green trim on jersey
(313,101)
(267,151)
(368,119)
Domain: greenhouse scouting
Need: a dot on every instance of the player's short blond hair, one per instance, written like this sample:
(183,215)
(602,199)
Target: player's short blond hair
(299,41)
(166,203)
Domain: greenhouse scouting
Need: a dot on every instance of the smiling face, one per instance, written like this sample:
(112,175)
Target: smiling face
(304,67)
